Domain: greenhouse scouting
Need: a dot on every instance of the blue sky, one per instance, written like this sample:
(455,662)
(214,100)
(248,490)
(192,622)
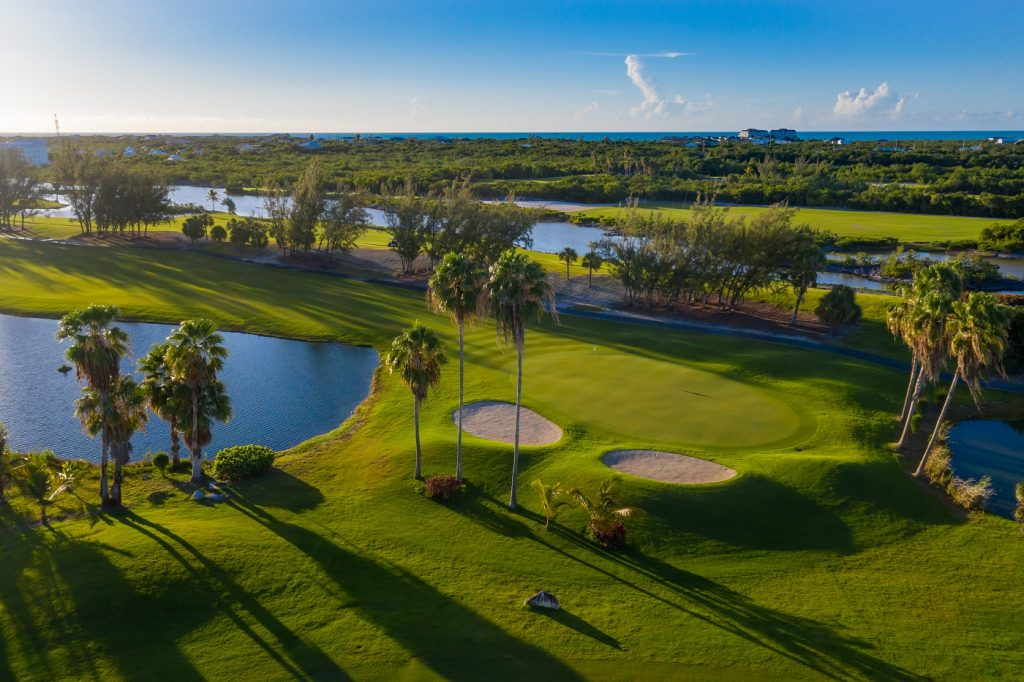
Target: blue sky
(189,66)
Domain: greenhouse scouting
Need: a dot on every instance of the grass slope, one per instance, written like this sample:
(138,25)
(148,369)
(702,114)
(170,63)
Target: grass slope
(820,559)
(906,227)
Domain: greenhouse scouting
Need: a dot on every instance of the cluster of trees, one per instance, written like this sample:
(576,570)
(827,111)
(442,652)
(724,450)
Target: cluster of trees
(513,291)
(973,270)
(1003,238)
(180,385)
(918,176)
(942,325)
(106,197)
(20,191)
(712,258)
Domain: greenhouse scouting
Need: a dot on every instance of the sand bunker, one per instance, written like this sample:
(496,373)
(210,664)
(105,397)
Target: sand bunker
(666,466)
(497,421)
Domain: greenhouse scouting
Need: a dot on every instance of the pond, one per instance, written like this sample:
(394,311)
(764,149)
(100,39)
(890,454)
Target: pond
(990,447)
(282,391)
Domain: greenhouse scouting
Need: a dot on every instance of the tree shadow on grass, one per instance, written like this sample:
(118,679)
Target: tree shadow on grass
(450,639)
(574,622)
(297,657)
(64,595)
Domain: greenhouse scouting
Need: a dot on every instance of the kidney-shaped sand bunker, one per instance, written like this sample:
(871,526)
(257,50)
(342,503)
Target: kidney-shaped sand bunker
(494,420)
(666,466)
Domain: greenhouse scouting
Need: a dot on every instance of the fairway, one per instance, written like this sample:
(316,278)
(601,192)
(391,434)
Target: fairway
(648,400)
(334,566)
(906,227)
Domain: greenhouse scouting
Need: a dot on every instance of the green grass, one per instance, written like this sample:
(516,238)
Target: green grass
(906,227)
(821,558)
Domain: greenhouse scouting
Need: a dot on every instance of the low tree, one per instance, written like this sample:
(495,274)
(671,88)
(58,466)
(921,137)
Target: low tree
(229,204)
(568,256)
(592,260)
(77,176)
(218,233)
(409,218)
(307,206)
(194,227)
(838,308)
(417,356)
(806,257)
(607,513)
(344,220)
(552,499)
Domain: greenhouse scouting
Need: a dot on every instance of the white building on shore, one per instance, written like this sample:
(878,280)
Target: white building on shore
(36,152)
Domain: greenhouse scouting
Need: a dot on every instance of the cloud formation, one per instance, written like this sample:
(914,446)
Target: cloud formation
(589,109)
(418,106)
(653,55)
(883,101)
(653,104)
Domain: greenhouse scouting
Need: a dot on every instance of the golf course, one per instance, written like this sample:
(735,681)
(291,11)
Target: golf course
(820,558)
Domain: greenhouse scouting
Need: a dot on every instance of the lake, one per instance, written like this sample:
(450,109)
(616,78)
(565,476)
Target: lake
(994,448)
(282,391)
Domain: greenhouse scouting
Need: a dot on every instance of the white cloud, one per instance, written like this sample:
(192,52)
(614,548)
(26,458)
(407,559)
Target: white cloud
(654,55)
(883,101)
(797,116)
(418,107)
(653,104)
(610,92)
(589,109)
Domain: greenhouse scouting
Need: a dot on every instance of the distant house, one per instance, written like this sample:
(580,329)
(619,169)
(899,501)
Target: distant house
(310,144)
(129,151)
(157,152)
(35,152)
(838,141)
(779,134)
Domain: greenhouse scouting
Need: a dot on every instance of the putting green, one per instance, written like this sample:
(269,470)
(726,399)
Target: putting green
(651,400)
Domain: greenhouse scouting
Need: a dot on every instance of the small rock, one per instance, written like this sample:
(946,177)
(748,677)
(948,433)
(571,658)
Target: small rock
(543,600)
(198,496)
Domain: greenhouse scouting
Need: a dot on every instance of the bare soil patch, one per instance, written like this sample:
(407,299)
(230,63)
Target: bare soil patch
(496,421)
(666,466)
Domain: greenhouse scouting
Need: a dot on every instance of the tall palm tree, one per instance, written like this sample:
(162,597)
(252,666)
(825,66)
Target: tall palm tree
(7,463)
(161,392)
(568,256)
(592,260)
(214,198)
(898,322)
(96,350)
(923,326)
(457,289)
(978,334)
(416,356)
(116,417)
(195,354)
(518,291)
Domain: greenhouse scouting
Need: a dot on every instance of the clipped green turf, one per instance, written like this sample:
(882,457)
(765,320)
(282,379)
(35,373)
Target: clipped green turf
(906,227)
(820,559)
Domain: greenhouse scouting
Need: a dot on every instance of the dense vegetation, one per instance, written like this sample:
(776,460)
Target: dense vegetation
(934,177)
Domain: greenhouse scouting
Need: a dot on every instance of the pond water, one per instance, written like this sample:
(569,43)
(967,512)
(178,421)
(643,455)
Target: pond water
(282,391)
(994,448)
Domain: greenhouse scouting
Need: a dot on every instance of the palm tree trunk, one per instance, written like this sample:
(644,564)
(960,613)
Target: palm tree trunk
(519,402)
(590,277)
(918,387)
(104,487)
(938,422)
(42,514)
(458,445)
(910,388)
(175,445)
(416,427)
(115,488)
(197,452)
(796,308)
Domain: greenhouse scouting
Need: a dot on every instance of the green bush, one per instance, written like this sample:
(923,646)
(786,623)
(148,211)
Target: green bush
(161,460)
(838,308)
(1018,492)
(242,461)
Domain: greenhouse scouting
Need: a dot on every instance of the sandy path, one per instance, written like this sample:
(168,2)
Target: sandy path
(495,420)
(666,466)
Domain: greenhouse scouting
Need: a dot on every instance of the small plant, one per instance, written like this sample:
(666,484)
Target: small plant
(971,494)
(552,499)
(444,486)
(161,460)
(1018,513)
(607,514)
(41,479)
(937,468)
(242,461)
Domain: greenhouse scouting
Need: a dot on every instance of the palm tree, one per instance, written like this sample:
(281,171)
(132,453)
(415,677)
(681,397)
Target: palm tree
(195,354)
(898,321)
(96,350)
(8,460)
(35,478)
(568,256)
(127,415)
(517,291)
(923,325)
(552,499)
(417,356)
(607,513)
(214,198)
(591,261)
(161,391)
(978,335)
(457,289)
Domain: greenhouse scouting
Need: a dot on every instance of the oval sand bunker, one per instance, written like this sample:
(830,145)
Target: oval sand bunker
(495,420)
(666,466)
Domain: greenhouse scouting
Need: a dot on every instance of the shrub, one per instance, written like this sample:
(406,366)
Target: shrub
(838,307)
(161,460)
(937,468)
(971,494)
(444,486)
(242,461)
(218,233)
(1018,513)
